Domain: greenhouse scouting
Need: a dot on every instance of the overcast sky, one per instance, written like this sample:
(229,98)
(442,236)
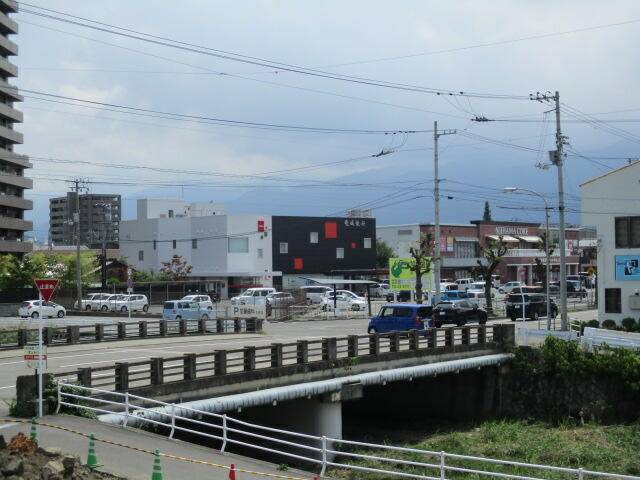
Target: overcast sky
(596,71)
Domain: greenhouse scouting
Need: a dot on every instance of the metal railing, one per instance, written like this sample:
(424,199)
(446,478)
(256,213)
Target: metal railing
(191,366)
(323,452)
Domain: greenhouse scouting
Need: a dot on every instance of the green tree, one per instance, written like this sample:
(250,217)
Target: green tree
(176,269)
(422,255)
(89,266)
(20,272)
(383,253)
(493,253)
(486,216)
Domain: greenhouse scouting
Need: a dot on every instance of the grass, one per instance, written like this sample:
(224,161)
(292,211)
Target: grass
(610,448)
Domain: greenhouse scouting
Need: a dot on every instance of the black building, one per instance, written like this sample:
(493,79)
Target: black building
(323,245)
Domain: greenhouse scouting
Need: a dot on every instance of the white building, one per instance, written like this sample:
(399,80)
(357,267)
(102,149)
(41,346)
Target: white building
(611,203)
(228,251)
(399,237)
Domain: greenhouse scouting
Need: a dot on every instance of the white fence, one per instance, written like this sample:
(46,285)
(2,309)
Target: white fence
(598,337)
(530,337)
(317,451)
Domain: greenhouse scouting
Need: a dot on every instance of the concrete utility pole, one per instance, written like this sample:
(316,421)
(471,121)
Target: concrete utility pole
(436,214)
(76,225)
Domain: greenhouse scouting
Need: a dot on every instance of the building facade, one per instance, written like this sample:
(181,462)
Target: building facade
(99,219)
(610,203)
(13,182)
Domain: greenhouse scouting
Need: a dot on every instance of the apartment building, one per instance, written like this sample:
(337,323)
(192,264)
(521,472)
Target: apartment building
(13,182)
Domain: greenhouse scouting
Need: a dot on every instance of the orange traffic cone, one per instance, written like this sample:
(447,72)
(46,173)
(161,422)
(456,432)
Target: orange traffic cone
(232,472)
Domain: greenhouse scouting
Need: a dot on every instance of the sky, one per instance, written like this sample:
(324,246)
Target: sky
(508,49)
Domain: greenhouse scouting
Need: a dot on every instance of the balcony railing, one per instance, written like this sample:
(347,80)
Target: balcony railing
(533,252)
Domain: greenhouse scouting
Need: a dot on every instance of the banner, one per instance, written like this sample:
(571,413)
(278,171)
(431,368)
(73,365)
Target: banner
(402,278)
(628,267)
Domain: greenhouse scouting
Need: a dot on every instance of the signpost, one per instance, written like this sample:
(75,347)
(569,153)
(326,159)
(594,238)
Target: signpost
(401,277)
(129,289)
(46,287)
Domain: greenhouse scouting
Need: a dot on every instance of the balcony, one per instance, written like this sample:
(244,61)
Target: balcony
(10,113)
(16,202)
(7,25)
(10,135)
(533,252)
(15,158)
(8,6)
(15,180)
(10,91)
(7,68)
(15,224)
(459,262)
(15,246)
(7,47)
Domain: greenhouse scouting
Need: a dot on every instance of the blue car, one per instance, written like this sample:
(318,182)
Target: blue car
(400,317)
(453,295)
(184,310)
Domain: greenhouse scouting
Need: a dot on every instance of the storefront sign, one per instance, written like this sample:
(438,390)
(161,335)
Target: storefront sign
(249,311)
(503,230)
(401,277)
(628,267)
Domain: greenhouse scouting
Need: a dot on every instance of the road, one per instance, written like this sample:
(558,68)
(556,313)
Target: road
(71,357)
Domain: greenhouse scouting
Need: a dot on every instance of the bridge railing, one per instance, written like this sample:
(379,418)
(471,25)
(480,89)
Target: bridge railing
(320,451)
(123,376)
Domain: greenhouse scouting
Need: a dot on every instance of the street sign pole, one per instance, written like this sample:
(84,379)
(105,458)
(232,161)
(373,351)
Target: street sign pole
(46,287)
(40,363)
(129,290)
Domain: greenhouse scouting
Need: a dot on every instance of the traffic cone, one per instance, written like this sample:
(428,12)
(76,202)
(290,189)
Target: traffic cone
(92,459)
(157,467)
(232,472)
(34,432)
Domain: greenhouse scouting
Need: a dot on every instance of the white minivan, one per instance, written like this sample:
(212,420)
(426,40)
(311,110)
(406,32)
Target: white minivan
(253,296)
(464,283)
(314,293)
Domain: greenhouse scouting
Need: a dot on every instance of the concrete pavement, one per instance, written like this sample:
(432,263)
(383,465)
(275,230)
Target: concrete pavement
(137,465)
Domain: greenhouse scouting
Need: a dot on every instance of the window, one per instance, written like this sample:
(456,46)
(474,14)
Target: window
(140,255)
(284,247)
(402,312)
(175,244)
(239,245)
(313,237)
(298,264)
(260,253)
(194,243)
(612,300)
(339,252)
(330,230)
(155,244)
(170,213)
(366,243)
(465,249)
(405,232)
(627,231)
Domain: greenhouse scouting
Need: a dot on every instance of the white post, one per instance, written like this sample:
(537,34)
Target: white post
(324,456)
(173,420)
(524,315)
(224,433)
(442,470)
(59,398)
(126,408)
(129,309)
(40,362)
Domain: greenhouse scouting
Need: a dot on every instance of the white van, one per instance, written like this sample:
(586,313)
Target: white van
(253,296)
(464,283)
(314,293)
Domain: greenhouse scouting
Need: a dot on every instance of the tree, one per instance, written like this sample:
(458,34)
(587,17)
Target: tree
(18,272)
(422,255)
(492,255)
(176,269)
(486,216)
(383,253)
(66,269)
(540,267)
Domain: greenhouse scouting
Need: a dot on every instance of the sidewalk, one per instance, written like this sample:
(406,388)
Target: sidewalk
(134,464)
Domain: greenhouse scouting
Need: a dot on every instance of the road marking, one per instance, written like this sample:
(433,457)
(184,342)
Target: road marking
(8,386)
(7,425)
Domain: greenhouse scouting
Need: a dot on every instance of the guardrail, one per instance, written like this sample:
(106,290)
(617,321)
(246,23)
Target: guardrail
(191,366)
(101,332)
(320,451)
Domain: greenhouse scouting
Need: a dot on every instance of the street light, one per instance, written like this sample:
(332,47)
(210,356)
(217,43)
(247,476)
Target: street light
(546,243)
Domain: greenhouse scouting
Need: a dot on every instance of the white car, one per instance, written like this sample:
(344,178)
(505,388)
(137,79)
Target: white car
(464,283)
(253,296)
(507,287)
(203,300)
(135,302)
(88,301)
(38,308)
(314,293)
(107,303)
(344,300)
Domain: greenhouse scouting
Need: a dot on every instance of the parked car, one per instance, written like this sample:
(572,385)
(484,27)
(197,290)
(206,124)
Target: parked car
(477,296)
(314,293)
(507,287)
(179,310)
(464,283)
(134,302)
(379,290)
(40,308)
(453,295)
(444,286)
(204,301)
(88,300)
(253,296)
(107,303)
(279,300)
(535,306)
(458,312)
(399,318)
(574,289)
(343,301)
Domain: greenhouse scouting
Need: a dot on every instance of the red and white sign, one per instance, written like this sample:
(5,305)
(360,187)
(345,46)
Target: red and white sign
(46,287)
(31,355)
(261,225)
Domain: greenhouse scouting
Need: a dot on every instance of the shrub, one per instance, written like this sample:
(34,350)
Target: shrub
(629,324)
(593,323)
(609,324)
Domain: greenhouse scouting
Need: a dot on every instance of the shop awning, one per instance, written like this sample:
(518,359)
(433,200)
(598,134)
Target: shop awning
(530,238)
(467,239)
(505,238)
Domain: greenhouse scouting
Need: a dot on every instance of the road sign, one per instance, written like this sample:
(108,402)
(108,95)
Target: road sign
(31,355)
(46,287)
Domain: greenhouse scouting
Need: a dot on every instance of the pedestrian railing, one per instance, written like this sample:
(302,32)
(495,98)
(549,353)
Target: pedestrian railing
(321,452)
(104,332)
(325,352)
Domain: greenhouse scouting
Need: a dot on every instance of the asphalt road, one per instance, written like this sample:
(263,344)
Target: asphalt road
(68,358)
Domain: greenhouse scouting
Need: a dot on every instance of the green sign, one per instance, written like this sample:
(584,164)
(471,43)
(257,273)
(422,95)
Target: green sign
(401,277)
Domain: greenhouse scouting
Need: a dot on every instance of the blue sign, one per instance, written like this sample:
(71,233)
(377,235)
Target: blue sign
(628,267)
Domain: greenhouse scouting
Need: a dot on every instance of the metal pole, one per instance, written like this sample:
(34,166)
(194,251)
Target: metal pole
(436,215)
(546,211)
(563,264)
(77,229)
(40,362)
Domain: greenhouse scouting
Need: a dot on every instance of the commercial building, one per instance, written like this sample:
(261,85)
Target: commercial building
(233,252)
(461,247)
(610,203)
(99,220)
(13,182)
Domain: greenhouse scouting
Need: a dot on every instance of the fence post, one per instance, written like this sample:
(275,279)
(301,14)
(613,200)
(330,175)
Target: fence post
(414,339)
(580,473)
(47,335)
(466,335)
(374,344)
(122,376)
(394,342)
(126,409)
(448,337)
(163,328)
(59,387)
(183,326)
(432,338)
(202,326)
(352,346)
(237,325)
(482,334)
(219,325)
(189,361)
(142,329)
(442,469)
(302,351)
(220,366)
(84,376)
(329,349)
(22,337)
(224,433)
(156,368)
(99,332)
(324,456)
(122,330)
(249,355)
(276,355)
(173,420)
(73,334)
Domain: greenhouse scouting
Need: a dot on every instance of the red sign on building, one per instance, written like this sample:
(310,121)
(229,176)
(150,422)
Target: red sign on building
(261,225)
(46,287)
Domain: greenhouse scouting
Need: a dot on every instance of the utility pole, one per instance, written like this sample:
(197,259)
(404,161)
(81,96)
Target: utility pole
(436,214)
(76,223)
